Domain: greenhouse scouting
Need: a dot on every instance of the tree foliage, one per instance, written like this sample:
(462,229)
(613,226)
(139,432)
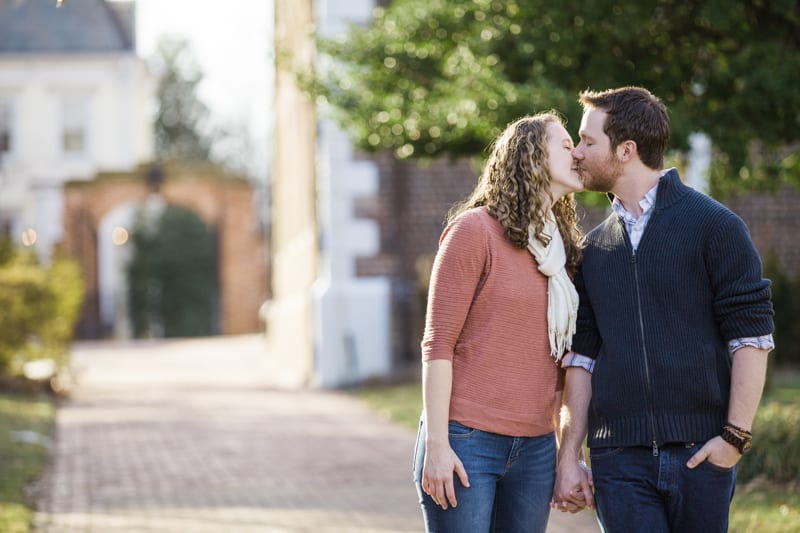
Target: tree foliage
(443,77)
(184,126)
(172,275)
(181,118)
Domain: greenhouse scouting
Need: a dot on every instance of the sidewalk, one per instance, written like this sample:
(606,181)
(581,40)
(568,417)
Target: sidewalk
(188,436)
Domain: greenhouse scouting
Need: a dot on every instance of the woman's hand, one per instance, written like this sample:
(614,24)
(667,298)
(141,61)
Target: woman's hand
(573,487)
(437,474)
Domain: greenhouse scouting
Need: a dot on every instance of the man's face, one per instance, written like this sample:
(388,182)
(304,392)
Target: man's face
(598,164)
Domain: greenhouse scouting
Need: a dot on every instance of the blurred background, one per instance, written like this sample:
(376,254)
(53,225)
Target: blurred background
(133,155)
(182,168)
(199,169)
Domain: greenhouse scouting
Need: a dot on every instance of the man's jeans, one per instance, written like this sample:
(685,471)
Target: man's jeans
(637,491)
(511,483)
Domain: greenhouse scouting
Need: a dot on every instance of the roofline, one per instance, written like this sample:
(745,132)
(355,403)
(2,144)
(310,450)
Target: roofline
(53,55)
(128,40)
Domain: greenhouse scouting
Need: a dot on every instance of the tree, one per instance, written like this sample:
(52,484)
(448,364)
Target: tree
(172,276)
(443,77)
(184,128)
(182,118)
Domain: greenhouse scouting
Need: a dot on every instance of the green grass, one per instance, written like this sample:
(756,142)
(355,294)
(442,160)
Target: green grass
(765,509)
(757,507)
(21,462)
(760,507)
(399,403)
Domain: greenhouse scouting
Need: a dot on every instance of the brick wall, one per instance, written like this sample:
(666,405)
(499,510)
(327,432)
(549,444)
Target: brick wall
(774,222)
(410,208)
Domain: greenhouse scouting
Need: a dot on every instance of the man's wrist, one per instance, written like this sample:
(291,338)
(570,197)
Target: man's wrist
(739,438)
(734,427)
(570,456)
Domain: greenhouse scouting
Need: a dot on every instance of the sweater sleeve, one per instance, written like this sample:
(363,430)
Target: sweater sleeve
(456,275)
(741,296)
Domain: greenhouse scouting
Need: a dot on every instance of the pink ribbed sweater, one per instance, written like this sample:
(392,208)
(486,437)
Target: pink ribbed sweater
(487,313)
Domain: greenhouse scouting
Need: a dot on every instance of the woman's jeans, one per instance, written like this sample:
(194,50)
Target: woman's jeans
(637,491)
(511,483)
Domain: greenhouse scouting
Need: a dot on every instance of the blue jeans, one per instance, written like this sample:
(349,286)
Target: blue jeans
(637,491)
(511,483)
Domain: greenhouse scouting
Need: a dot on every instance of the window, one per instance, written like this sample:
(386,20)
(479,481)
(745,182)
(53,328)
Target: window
(74,116)
(6,123)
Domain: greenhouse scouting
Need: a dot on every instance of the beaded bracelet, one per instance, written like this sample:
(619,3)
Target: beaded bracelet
(741,432)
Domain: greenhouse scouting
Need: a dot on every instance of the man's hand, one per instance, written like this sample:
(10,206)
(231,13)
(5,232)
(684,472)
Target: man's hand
(573,487)
(717,452)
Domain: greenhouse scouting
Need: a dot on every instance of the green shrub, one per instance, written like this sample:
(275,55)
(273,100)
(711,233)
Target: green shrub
(775,444)
(24,298)
(786,302)
(39,309)
(64,280)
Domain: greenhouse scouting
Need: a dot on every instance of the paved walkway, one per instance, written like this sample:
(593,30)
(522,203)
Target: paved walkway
(188,436)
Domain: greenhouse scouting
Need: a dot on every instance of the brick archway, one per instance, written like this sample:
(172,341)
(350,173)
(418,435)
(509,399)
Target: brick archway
(223,202)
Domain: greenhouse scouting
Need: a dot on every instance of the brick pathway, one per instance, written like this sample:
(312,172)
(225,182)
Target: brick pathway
(187,436)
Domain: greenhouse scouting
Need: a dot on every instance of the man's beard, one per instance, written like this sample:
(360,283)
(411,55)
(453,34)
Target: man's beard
(604,177)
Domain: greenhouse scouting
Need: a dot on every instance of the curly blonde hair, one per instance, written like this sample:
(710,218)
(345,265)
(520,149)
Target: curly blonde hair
(514,183)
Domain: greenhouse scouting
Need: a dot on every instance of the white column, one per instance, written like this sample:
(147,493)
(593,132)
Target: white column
(699,162)
(351,314)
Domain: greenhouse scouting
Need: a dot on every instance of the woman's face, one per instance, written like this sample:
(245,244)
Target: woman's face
(564,176)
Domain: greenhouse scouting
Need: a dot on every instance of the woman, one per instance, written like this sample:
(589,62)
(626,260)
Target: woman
(501,312)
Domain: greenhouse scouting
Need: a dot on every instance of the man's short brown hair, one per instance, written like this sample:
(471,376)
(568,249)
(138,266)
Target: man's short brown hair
(634,114)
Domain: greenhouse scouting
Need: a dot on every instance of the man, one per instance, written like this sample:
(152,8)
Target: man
(674,327)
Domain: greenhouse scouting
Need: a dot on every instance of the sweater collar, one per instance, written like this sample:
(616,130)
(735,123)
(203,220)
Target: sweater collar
(670,189)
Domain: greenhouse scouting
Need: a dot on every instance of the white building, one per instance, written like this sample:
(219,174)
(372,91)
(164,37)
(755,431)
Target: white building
(328,325)
(75,100)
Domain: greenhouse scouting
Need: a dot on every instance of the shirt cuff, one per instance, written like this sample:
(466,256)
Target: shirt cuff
(765,342)
(572,359)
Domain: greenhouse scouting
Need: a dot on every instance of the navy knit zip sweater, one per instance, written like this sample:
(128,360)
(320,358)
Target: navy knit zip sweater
(658,321)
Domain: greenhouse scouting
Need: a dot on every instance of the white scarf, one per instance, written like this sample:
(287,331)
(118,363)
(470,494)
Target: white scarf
(562,298)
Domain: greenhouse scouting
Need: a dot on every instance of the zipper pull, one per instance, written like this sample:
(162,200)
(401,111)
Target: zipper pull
(655,448)
(633,258)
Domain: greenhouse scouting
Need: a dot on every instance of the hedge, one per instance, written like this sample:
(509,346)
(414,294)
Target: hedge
(40,305)
(776,443)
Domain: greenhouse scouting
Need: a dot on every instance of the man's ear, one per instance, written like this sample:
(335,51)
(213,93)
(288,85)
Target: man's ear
(626,151)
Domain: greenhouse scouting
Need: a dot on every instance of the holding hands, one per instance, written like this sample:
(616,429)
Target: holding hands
(573,487)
